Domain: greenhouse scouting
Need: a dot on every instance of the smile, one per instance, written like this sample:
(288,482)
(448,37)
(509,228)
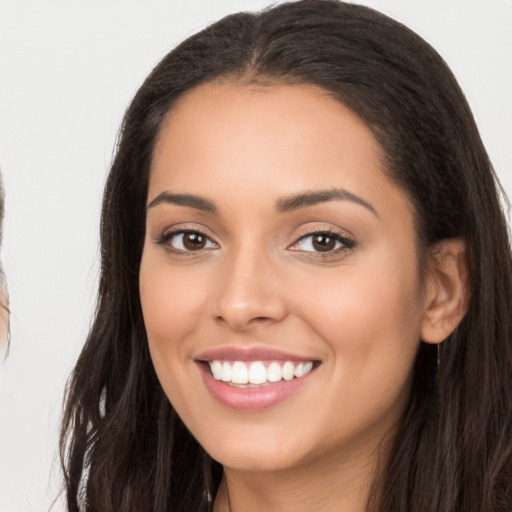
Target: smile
(254,379)
(258,373)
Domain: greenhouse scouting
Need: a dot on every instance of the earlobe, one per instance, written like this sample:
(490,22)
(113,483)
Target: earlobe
(447,290)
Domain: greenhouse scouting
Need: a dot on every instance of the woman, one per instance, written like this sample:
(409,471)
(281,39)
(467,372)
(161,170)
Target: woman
(305,292)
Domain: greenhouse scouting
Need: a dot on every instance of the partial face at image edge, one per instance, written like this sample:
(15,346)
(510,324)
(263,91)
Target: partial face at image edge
(4,300)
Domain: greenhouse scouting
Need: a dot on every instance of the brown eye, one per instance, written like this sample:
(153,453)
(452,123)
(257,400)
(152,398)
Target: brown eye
(194,241)
(187,241)
(323,243)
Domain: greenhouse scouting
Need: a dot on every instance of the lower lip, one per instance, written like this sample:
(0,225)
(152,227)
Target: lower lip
(251,399)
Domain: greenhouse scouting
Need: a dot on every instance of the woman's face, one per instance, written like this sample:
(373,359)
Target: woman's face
(275,245)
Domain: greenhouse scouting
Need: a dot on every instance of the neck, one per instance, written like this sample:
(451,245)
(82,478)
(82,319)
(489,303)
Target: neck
(326,485)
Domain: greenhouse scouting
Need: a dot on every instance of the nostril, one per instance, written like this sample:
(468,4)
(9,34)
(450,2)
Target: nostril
(243,322)
(253,307)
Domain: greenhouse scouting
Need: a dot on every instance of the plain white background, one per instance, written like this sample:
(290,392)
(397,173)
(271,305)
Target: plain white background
(67,72)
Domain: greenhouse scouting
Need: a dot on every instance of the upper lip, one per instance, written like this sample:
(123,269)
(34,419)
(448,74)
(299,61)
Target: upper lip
(250,354)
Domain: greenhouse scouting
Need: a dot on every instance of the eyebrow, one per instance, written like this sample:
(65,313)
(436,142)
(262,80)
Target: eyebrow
(190,200)
(312,198)
(283,205)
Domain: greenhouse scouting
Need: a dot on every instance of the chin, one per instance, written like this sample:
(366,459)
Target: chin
(264,449)
(257,460)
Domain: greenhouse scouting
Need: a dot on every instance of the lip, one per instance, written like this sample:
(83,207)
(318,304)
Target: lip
(251,399)
(250,354)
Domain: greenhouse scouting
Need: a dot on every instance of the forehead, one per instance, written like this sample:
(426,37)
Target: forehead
(253,114)
(239,140)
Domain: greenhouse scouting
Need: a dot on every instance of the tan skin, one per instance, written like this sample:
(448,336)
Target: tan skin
(335,280)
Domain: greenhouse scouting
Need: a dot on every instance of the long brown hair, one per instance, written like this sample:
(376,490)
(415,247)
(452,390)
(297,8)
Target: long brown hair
(123,446)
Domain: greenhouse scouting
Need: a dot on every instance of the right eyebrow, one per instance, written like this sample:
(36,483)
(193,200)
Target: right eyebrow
(190,200)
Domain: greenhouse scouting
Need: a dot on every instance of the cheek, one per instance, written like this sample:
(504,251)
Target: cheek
(371,324)
(170,305)
(362,304)
(370,320)
(170,301)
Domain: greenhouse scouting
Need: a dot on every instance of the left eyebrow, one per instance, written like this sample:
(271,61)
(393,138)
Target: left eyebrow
(312,198)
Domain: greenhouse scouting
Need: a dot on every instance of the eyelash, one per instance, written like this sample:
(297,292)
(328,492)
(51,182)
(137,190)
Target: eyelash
(165,238)
(346,243)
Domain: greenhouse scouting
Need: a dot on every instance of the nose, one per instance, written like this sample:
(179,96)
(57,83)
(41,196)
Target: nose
(249,292)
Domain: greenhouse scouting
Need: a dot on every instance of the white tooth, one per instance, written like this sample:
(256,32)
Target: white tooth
(216,368)
(257,373)
(308,367)
(226,372)
(274,372)
(299,370)
(288,369)
(240,375)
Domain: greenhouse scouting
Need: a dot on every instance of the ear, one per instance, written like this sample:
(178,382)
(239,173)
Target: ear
(447,290)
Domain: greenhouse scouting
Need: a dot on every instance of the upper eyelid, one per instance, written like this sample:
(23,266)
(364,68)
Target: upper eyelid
(169,233)
(183,228)
(342,233)
(339,237)
(315,231)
